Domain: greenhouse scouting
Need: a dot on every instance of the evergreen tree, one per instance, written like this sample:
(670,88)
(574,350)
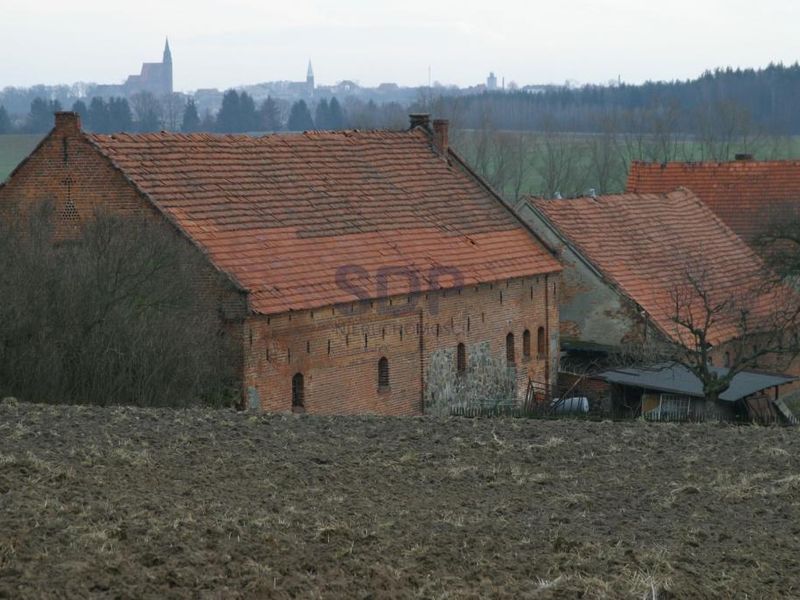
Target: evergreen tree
(40,118)
(248,117)
(5,122)
(228,115)
(269,115)
(191,120)
(119,115)
(79,106)
(322,115)
(300,117)
(97,116)
(336,118)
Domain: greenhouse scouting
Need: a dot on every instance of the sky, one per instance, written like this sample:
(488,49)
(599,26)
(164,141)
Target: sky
(235,42)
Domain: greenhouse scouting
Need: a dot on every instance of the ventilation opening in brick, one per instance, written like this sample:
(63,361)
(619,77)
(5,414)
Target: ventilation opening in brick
(461,359)
(69,214)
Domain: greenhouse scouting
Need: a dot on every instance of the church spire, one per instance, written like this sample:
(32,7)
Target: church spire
(167,53)
(310,78)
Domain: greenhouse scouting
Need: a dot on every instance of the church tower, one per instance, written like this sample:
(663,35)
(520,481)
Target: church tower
(166,66)
(310,78)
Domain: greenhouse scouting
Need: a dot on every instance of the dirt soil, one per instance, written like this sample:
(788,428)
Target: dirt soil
(133,503)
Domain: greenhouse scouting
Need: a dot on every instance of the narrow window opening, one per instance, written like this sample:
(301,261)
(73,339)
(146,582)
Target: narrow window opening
(308,347)
(526,344)
(461,359)
(329,347)
(298,394)
(510,358)
(366,341)
(383,373)
(468,324)
(289,355)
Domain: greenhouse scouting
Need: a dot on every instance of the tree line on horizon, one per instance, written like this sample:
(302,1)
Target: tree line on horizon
(146,113)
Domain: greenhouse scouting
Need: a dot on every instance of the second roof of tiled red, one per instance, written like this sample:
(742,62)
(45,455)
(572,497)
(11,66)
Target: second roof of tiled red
(648,245)
(748,195)
(283,214)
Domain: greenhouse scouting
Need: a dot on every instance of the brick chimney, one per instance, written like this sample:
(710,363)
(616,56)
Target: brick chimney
(441,137)
(420,120)
(68,122)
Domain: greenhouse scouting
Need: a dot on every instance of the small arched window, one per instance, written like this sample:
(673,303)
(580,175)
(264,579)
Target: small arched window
(461,359)
(727,359)
(526,344)
(298,393)
(541,344)
(510,349)
(383,373)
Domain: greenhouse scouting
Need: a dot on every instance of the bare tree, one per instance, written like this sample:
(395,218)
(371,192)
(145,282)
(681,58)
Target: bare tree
(148,111)
(607,167)
(752,325)
(115,316)
(558,161)
(172,106)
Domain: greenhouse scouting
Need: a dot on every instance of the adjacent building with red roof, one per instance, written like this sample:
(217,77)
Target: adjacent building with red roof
(654,275)
(748,195)
(343,262)
(626,256)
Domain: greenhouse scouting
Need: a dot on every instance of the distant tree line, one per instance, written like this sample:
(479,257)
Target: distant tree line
(766,97)
(146,113)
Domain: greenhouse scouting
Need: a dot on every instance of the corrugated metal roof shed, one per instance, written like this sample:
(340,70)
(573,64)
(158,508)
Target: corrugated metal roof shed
(677,379)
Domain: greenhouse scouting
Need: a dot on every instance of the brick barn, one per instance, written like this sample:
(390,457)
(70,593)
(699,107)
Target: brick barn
(344,263)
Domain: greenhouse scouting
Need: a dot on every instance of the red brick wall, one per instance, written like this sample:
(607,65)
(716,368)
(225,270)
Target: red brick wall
(345,380)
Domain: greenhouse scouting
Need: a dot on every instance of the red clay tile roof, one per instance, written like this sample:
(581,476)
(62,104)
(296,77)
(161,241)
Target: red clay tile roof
(647,244)
(283,213)
(747,195)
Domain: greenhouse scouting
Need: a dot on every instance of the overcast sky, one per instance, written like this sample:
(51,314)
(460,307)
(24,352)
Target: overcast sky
(222,44)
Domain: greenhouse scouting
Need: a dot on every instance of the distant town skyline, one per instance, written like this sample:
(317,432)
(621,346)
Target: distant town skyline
(246,41)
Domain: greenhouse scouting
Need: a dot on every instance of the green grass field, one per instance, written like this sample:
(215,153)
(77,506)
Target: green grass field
(520,164)
(13,148)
